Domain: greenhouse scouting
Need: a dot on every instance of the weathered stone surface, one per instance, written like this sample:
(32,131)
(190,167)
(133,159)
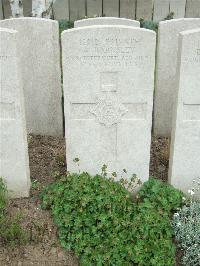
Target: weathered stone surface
(61,9)
(108,106)
(165,85)
(144,9)
(106,21)
(193,9)
(14,163)
(110,8)
(39,50)
(77,9)
(178,8)
(185,145)
(161,10)
(128,8)
(94,7)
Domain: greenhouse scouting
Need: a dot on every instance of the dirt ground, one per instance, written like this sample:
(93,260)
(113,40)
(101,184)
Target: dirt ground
(47,160)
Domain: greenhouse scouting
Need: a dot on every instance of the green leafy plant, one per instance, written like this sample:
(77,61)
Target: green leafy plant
(10,230)
(153,232)
(161,195)
(152,25)
(35,184)
(65,24)
(149,24)
(3,197)
(98,219)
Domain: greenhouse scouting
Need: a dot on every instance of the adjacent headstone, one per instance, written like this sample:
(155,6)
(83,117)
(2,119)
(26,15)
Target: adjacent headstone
(39,50)
(193,9)
(94,8)
(106,21)
(108,106)
(165,85)
(14,163)
(128,8)
(77,9)
(144,9)
(185,146)
(161,10)
(178,8)
(61,9)
(110,8)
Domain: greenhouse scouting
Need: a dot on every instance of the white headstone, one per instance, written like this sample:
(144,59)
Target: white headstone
(39,50)
(106,21)
(77,9)
(111,8)
(193,9)
(178,8)
(165,85)
(128,8)
(14,163)
(144,9)
(61,9)
(161,10)
(108,91)
(94,8)
(185,145)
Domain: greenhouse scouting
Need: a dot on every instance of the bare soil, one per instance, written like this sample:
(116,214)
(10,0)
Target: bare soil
(47,160)
(159,162)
